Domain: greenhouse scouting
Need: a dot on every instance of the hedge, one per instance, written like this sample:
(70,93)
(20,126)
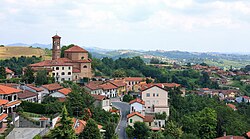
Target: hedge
(39,108)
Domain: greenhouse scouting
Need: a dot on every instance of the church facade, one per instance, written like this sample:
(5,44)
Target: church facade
(74,66)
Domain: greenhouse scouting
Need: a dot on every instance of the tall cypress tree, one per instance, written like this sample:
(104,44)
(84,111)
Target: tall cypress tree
(91,131)
(28,76)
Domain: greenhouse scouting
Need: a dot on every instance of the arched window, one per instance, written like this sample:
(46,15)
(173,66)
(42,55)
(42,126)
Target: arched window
(82,57)
(69,73)
(63,73)
(84,66)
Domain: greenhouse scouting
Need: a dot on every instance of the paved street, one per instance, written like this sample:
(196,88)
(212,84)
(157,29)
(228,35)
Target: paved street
(23,133)
(124,107)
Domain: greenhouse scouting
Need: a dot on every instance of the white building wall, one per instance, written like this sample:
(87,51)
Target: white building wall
(58,70)
(57,94)
(136,107)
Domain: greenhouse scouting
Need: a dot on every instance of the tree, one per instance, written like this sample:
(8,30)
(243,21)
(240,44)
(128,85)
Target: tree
(156,135)
(127,98)
(129,131)
(90,131)
(28,76)
(65,48)
(110,130)
(119,73)
(41,77)
(2,73)
(141,130)
(154,61)
(64,129)
(173,130)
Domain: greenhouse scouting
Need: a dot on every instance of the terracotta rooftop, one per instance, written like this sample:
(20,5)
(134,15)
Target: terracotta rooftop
(34,88)
(43,118)
(65,91)
(5,90)
(76,49)
(94,85)
(56,62)
(13,85)
(26,94)
(232,106)
(3,116)
(137,100)
(231,137)
(7,70)
(148,118)
(3,101)
(12,103)
(56,36)
(99,97)
(118,83)
(107,86)
(133,79)
(51,87)
(135,113)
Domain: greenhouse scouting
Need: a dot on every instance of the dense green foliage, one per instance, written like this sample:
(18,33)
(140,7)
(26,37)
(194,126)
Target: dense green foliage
(2,73)
(139,131)
(28,76)
(127,98)
(110,130)
(91,131)
(64,130)
(41,77)
(206,117)
(16,64)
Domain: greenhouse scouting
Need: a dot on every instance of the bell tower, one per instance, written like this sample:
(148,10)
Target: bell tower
(56,50)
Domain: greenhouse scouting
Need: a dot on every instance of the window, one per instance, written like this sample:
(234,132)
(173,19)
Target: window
(57,68)
(62,68)
(69,73)
(149,123)
(69,68)
(153,94)
(82,57)
(131,120)
(15,97)
(53,74)
(53,68)
(148,94)
(63,73)
(76,77)
(63,79)
(57,73)
(9,98)
(84,66)
(69,79)
(157,95)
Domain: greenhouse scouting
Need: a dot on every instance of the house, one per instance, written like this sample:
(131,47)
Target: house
(27,95)
(38,90)
(227,93)
(102,101)
(79,125)
(50,88)
(138,87)
(245,99)
(3,115)
(93,87)
(109,90)
(232,106)
(10,94)
(61,93)
(137,105)
(74,66)
(131,81)
(134,117)
(9,73)
(156,100)
(121,86)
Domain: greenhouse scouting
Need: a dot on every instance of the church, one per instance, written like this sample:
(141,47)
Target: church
(74,66)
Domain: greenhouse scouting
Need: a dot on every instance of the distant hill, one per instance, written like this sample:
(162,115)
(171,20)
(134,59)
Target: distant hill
(17,51)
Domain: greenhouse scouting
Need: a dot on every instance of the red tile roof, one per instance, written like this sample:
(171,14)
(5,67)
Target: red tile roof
(56,36)
(7,70)
(246,97)
(232,106)
(65,91)
(81,61)
(231,137)
(12,103)
(94,85)
(248,134)
(61,99)
(133,79)
(76,49)
(159,86)
(51,87)
(56,62)
(137,100)
(8,90)
(3,116)
(26,94)
(148,118)
(118,83)
(107,86)
(99,97)
(135,113)
(3,101)
(43,118)
(34,88)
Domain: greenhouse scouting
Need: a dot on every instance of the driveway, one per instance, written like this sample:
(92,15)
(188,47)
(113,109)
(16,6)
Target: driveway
(124,107)
(24,133)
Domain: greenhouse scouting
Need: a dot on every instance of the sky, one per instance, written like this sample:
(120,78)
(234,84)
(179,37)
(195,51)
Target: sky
(185,25)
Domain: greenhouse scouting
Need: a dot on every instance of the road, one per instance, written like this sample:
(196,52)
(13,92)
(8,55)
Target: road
(24,133)
(124,107)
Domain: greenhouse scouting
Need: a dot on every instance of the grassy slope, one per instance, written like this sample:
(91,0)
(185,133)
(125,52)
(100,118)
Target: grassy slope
(17,51)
